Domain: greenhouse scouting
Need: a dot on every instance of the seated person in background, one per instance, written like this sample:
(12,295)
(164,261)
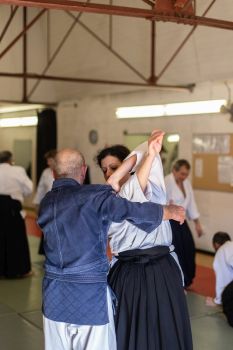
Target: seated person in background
(223,267)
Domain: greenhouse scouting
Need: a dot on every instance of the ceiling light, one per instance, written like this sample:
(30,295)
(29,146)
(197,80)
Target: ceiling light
(19,108)
(172,109)
(14,122)
(173,138)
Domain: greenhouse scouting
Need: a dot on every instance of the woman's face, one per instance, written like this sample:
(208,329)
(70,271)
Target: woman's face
(109,164)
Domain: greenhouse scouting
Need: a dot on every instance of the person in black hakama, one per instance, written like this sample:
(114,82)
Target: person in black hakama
(179,191)
(14,249)
(151,312)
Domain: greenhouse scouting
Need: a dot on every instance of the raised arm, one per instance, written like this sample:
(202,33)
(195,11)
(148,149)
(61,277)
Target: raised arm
(143,171)
(154,147)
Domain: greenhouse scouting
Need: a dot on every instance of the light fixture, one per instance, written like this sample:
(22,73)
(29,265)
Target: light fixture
(173,138)
(21,121)
(19,108)
(171,109)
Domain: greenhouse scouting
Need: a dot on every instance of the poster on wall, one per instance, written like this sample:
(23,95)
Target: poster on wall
(211,143)
(213,162)
(198,167)
(225,170)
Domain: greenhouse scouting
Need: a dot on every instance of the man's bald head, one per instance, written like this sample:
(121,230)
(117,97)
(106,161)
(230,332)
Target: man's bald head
(70,163)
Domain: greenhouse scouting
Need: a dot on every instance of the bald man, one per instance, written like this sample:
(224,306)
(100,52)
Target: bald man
(75,218)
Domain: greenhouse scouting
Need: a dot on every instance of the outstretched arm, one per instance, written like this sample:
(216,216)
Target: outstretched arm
(154,147)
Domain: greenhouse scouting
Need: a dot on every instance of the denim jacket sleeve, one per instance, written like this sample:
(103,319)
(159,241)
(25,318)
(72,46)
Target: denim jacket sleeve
(146,216)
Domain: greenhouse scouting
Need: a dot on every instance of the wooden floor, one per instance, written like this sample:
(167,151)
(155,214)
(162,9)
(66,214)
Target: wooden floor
(204,259)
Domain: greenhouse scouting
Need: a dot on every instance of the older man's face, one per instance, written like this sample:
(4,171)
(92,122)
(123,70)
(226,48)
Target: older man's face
(181,174)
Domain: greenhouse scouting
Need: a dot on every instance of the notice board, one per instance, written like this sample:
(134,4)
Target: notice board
(212,167)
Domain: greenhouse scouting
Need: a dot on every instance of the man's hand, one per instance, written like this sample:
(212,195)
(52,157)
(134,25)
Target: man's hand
(155,142)
(174,212)
(198,228)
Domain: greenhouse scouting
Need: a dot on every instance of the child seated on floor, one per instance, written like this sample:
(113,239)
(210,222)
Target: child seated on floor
(223,267)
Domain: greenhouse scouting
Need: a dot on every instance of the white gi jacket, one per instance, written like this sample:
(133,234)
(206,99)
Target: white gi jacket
(223,267)
(175,195)
(125,236)
(14,182)
(44,185)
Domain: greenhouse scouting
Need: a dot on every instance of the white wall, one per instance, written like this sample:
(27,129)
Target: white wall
(77,118)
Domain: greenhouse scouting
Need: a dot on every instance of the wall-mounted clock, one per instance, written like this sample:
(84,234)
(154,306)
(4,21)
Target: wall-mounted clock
(93,137)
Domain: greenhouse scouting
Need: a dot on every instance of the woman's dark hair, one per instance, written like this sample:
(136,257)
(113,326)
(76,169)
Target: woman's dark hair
(181,162)
(221,237)
(5,156)
(118,151)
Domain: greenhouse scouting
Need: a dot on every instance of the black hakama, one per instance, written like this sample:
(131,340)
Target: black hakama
(227,303)
(151,313)
(185,249)
(14,250)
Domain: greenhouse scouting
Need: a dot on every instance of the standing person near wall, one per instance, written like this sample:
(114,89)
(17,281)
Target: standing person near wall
(45,185)
(46,179)
(223,268)
(180,192)
(14,250)
(151,313)
(75,219)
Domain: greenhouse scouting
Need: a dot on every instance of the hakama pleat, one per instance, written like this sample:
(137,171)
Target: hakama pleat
(185,249)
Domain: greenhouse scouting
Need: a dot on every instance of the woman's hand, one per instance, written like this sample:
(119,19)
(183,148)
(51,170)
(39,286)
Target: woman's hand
(155,142)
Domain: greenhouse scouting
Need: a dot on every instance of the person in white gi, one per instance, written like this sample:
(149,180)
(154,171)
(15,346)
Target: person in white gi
(223,266)
(179,191)
(46,178)
(151,311)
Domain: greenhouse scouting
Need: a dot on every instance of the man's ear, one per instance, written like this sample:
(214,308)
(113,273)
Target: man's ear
(83,171)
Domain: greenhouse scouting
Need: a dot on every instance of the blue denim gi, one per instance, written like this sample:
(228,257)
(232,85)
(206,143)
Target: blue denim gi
(75,221)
